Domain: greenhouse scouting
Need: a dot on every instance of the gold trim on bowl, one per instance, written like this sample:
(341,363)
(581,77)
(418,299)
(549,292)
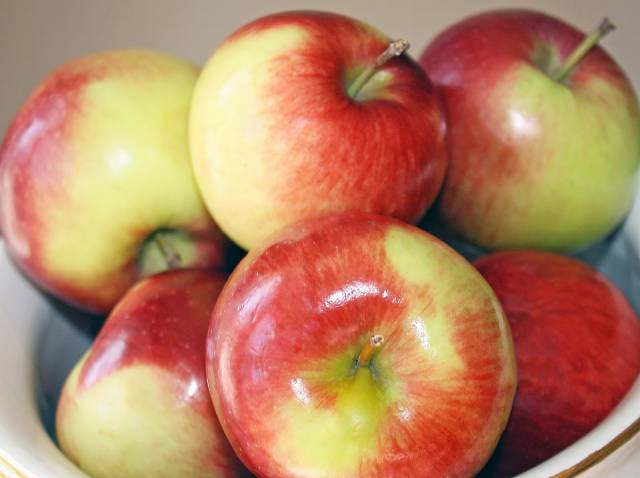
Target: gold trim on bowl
(602,453)
(6,465)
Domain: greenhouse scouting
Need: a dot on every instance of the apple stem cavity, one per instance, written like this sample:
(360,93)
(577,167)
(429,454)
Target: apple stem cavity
(583,48)
(395,48)
(369,349)
(172,258)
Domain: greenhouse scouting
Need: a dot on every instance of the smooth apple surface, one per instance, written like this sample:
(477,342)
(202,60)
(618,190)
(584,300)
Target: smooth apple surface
(533,162)
(96,162)
(137,404)
(276,137)
(577,344)
(286,351)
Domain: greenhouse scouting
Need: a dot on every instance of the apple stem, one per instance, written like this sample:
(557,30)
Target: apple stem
(173,259)
(395,48)
(581,50)
(366,354)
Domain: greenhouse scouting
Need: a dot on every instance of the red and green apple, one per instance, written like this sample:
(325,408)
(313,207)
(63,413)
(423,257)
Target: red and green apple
(577,343)
(137,403)
(543,132)
(95,172)
(305,113)
(357,345)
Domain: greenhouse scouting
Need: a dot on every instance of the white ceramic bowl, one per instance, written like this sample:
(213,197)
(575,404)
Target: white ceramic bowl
(40,342)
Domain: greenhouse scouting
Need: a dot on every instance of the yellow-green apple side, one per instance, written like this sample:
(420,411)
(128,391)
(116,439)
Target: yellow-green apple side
(94,164)
(137,404)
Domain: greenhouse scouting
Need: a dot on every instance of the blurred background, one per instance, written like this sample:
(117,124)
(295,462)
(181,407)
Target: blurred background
(36,36)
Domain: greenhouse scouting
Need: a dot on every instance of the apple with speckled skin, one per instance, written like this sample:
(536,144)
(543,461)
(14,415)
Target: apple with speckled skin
(357,345)
(137,403)
(577,343)
(543,132)
(297,114)
(95,171)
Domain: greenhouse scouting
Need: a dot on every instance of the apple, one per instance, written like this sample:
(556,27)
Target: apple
(137,403)
(357,345)
(96,178)
(542,132)
(577,344)
(306,113)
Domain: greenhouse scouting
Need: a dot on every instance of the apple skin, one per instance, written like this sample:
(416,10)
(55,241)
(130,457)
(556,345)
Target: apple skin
(137,404)
(577,344)
(276,138)
(291,320)
(93,164)
(533,163)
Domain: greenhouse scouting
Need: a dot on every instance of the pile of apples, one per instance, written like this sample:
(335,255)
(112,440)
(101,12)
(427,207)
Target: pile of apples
(347,342)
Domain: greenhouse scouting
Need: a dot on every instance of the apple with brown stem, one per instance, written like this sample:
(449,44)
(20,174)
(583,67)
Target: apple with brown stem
(305,113)
(96,184)
(543,132)
(357,345)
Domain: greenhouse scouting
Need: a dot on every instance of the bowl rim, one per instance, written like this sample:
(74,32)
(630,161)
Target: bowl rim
(600,454)
(10,468)
(588,462)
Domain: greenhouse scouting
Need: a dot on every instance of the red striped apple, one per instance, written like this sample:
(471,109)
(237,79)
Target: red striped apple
(356,345)
(542,129)
(95,166)
(577,345)
(137,404)
(304,113)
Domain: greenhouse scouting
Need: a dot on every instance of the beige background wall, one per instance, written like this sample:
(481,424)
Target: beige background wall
(36,36)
